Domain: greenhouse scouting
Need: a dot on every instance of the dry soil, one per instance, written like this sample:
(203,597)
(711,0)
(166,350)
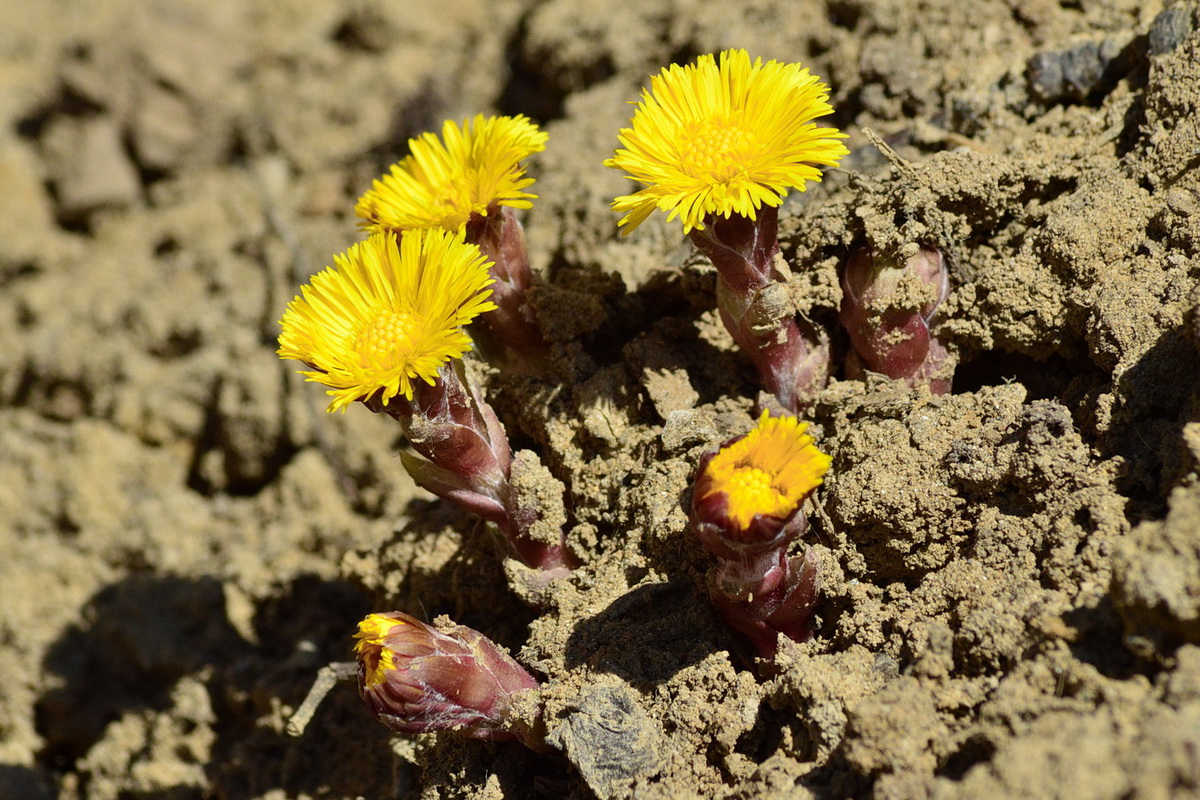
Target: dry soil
(1011,602)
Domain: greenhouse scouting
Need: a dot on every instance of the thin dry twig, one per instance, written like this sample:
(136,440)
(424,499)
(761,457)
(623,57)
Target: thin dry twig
(902,165)
(826,529)
(328,676)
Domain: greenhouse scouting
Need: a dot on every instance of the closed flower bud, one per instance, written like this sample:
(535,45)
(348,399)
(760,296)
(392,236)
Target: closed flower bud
(415,678)
(887,307)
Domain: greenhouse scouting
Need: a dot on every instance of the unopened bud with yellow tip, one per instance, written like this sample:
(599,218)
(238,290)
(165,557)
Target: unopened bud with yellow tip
(746,510)
(417,678)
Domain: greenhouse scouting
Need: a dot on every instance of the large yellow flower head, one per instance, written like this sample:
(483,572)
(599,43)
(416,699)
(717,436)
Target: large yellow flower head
(725,135)
(442,182)
(767,472)
(387,314)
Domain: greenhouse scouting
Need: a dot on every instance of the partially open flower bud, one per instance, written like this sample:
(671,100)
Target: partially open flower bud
(746,510)
(748,494)
(887,307)
(415,678)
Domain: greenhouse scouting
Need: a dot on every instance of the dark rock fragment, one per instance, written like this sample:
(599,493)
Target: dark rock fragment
(1074,74)
(1169,29)
(613,743)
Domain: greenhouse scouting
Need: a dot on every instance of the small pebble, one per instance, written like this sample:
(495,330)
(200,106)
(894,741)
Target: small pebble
(685,428)
(611,740)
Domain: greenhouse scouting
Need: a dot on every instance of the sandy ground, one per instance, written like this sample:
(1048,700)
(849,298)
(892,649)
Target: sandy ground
(1012,571)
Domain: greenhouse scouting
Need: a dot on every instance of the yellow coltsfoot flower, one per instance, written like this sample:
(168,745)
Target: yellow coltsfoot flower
(726,135)
(718,145)
(470,170)
(385,326)
(388,314)
(470,180)
(746,510)
(751,488)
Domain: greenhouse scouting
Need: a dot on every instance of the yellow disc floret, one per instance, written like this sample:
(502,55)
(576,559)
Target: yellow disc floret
(768,471)
(377,659)
(442,182)
(725,135)
(391,332)
(717,149)
(387,314)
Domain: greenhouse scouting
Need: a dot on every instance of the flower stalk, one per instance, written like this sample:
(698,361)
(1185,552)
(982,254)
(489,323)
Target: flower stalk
(417,678)
(792,355)
(513,323)
(887,307)
(468,460)
(719,144)
(746,511)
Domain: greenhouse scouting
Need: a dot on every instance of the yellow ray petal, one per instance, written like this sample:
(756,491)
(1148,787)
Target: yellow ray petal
(442,182)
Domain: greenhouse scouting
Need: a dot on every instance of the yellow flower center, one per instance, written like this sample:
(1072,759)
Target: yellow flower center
(756,488)
(385,337)
(717,149)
